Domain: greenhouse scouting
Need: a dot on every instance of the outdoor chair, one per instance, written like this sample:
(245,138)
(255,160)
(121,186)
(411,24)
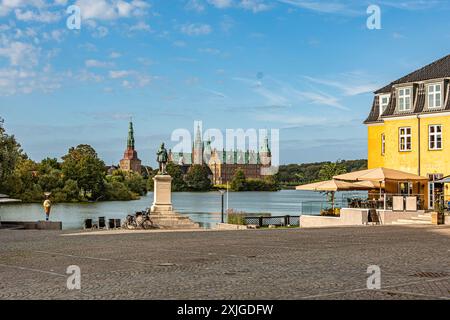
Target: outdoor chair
(111,224)
(88,224)
(102,223)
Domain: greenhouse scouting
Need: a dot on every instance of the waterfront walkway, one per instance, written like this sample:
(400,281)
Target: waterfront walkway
(270,264)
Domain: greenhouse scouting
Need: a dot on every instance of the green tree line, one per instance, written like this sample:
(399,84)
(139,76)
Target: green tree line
(296,174)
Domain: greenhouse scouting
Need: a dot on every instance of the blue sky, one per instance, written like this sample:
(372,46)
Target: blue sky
(307,68)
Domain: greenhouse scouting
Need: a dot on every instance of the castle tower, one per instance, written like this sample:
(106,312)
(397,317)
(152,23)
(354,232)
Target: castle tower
(265,155)
(197,152)
(130,161)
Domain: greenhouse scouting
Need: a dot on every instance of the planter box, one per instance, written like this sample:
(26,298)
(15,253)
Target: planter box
(437,219)
(447,220)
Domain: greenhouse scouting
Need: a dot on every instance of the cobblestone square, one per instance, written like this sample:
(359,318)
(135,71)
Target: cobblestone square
(271,264)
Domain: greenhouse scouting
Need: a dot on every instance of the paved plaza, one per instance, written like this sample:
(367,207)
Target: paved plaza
(270,264)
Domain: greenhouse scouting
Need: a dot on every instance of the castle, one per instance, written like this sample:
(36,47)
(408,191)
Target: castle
(224,164)
(130,161)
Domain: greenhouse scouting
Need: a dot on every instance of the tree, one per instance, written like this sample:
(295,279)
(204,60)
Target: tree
(175,172)
(136,183)
(239,182)
(82,164)
(10,154)
(197,178)
(331,169)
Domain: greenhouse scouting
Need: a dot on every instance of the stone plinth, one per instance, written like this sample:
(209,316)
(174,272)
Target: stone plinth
(162,196)
(162,213)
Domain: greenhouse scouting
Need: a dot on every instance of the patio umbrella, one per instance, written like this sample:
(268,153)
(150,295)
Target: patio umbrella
(379,174)
(332,186)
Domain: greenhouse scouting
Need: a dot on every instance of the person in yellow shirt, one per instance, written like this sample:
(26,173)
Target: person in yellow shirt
(47,207)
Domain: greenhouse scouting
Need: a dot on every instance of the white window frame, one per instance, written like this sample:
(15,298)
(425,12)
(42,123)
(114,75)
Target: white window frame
(433,137)
(432,95)
(383,144)
(384,106)
(406,135)
(403,98)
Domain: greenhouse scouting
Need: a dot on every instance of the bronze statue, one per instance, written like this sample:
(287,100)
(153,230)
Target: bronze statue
(162,159)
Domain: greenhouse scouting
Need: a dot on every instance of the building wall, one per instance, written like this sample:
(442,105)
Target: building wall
(376,160)
(431,161)
(395,159)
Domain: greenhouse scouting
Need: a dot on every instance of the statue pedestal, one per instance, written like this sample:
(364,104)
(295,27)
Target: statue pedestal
(162,213)
(162,197)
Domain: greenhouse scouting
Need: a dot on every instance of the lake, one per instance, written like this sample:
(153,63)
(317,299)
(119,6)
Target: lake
(203,208)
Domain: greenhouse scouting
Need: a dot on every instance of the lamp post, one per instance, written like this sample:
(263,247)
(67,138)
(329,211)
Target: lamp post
(222,193)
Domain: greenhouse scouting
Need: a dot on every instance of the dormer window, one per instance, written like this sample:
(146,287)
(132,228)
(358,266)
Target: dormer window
(434,96)
(384,102)
(404,99)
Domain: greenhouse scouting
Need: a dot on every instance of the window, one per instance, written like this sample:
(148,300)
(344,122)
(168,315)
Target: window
(384,102)
(405,188)
(383,144)
(434,96)
(405,139)
(435,137)
(404,99)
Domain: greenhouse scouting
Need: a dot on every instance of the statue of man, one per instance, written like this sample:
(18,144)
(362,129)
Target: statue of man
(162,159)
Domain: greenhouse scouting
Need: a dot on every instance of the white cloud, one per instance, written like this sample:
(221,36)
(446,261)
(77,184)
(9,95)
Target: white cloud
(21,81)
(92,63)
(209,51)
(196,29)
(141,26)
(117,74)
(221,4)
(111,10)
(18,53)
(321,6)
(351,84)
(195,5)
(179,43)
(254,5)
(100,32)
(42,16)
(115,55)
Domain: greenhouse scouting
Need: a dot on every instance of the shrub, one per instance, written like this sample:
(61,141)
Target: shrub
(235,217)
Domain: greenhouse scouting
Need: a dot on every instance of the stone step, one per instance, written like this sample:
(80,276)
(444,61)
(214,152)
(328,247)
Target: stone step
(421,218)
(410,221)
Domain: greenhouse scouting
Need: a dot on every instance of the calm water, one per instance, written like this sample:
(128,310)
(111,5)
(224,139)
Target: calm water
(201,207)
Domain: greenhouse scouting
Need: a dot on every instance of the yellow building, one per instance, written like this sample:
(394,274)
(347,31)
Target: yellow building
(409,129)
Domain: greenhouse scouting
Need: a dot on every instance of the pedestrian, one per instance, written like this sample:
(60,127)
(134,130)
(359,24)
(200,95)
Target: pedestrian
(47,207)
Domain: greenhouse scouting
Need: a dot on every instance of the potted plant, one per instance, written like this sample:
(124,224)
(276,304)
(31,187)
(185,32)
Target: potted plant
(438,216)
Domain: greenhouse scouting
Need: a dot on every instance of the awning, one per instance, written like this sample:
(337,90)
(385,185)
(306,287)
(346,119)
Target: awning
(380,174)
(445,180)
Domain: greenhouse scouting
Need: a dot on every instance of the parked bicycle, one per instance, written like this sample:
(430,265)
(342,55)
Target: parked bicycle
(140,220)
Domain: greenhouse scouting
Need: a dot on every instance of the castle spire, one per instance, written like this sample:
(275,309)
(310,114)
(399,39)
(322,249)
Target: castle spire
(130,142)
(198,136)
(265,147)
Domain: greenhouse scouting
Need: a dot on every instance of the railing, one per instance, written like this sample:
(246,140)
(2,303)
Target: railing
(318,207)
(278,221)
(395,202)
